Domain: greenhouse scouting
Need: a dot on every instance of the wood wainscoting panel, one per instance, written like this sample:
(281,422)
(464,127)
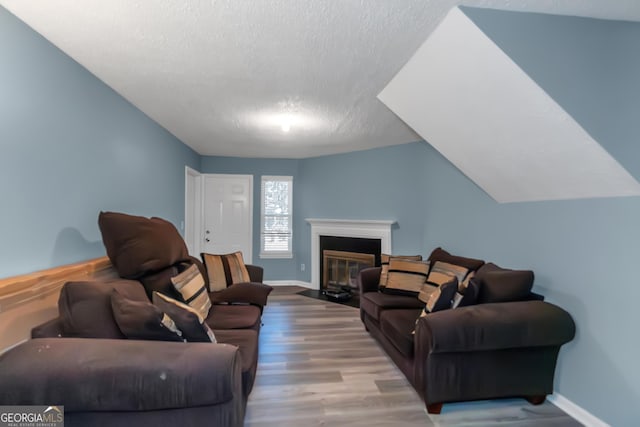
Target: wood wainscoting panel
(30,299)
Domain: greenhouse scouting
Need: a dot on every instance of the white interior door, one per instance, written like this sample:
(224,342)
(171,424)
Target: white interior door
(228,215)
(193,210)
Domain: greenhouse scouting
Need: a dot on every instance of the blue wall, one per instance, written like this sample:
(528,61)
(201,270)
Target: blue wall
(71,147)
(584,252)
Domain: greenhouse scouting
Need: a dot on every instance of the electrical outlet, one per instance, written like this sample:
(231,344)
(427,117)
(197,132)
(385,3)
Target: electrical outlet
(302,267)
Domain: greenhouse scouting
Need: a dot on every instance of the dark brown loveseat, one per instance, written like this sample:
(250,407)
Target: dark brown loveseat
(483,351)
(84,361)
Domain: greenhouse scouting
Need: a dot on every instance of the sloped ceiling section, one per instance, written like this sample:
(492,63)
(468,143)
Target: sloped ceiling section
(471,102)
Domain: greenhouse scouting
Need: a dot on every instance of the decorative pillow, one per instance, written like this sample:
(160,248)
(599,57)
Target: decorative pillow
(406,277)
(137,245)
(442,298)
(465,283)
(442,272)
(469,296)
(190,285)
(225,270)
(505,286)
(143,320)
(440,254)
(188,320)
(85,307)
(384,263)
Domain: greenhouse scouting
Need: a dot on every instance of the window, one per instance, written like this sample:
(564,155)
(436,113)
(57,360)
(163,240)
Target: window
(276,215)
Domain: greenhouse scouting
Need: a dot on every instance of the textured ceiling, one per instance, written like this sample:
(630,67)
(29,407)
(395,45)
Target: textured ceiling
(229,77)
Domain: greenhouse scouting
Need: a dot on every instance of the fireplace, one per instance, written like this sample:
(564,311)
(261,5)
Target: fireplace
(341,258)
(337,231)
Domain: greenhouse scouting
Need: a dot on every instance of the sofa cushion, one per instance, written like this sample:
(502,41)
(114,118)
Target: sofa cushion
(406,277)
(373,303)
(188,320)
(223,316)
(247,342)
(397,326)
(85,307)
(225,270)
(143,320)
(440,254)
(190,285)
(503,285)
(384,264)
(137,245)
(161,281)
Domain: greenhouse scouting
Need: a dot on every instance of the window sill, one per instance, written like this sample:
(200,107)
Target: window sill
(276,255)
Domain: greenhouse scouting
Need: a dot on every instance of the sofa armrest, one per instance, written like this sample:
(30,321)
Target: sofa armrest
(49,329)
(85,374)
(495,326)
(249,293)
(369,279)
(256,273)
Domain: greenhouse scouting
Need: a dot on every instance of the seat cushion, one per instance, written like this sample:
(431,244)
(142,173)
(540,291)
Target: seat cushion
(247,341)
(222,316)
(397,326)
(373,303)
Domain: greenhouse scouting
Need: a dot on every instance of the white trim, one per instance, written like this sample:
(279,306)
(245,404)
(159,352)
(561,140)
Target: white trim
(576,412)
(288,283)
(197,207)
(368,229)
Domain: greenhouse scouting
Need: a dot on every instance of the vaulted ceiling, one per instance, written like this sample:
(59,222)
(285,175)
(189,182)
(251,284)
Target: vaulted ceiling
(277,78)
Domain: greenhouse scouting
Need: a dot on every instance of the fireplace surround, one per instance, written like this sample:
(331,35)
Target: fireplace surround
(365,229)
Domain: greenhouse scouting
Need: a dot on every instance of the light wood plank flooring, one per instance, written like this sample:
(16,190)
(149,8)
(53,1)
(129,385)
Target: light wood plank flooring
(319,367)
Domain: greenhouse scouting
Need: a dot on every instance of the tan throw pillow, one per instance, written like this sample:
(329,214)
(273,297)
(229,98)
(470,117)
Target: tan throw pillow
(190,285)
(407,276)
(443,272)
(239,273)
(217,265)
(384,263)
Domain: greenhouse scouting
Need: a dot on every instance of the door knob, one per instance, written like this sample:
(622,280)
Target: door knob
(207,240)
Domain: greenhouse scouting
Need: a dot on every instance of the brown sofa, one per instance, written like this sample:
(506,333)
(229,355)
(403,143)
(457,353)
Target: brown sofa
(483,351)
(83,359)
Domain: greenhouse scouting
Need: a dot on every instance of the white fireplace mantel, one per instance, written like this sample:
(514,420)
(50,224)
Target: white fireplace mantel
(367,229)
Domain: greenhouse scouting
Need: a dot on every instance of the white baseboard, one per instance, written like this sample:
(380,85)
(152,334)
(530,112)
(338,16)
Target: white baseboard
(576,412)
(289,283)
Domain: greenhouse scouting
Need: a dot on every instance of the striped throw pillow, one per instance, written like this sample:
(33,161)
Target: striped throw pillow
(443,272)
(406,276)
(384,263)
(217,267)
(190,285)
(186,318)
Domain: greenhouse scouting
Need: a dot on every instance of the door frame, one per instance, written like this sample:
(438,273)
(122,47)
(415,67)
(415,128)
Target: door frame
(194,207)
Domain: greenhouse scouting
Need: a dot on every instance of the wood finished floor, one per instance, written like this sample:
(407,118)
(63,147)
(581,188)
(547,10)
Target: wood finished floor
(319,367)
